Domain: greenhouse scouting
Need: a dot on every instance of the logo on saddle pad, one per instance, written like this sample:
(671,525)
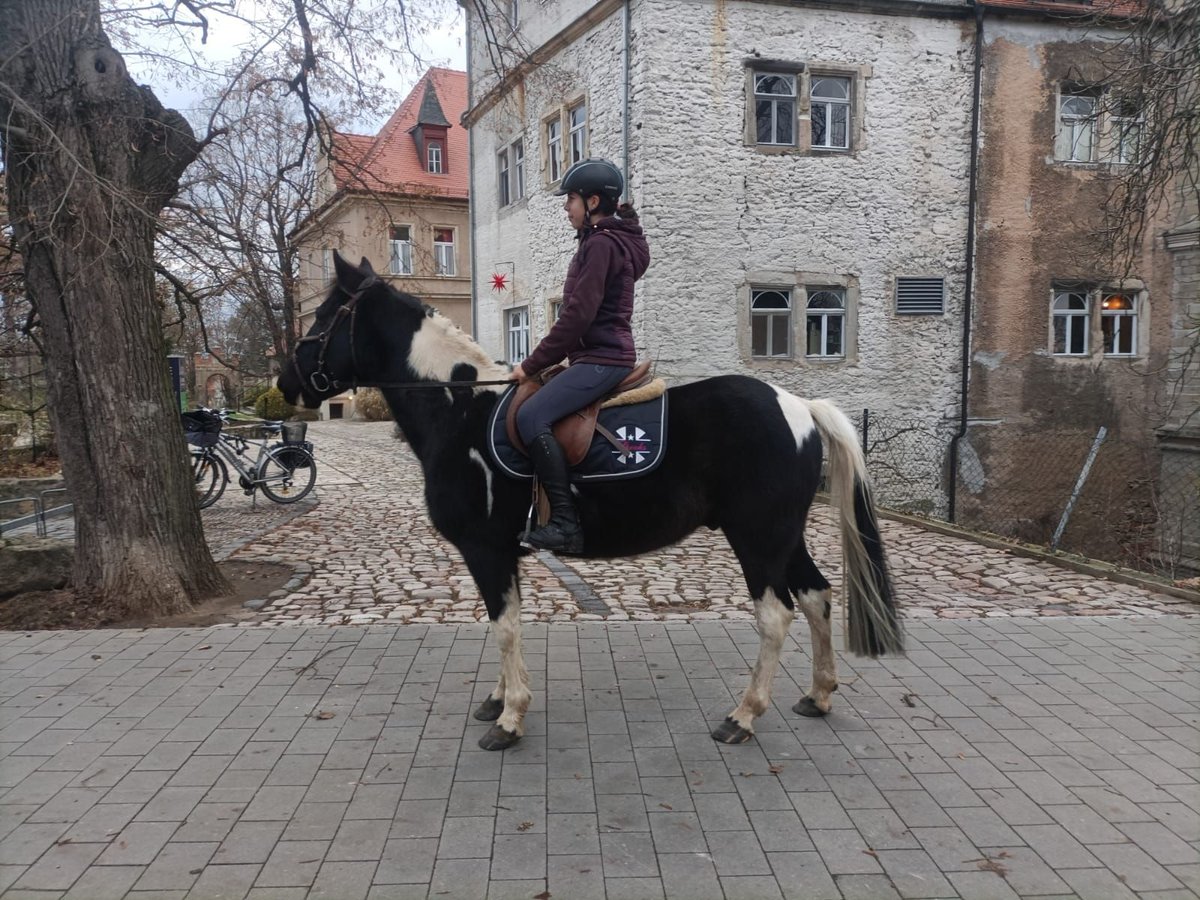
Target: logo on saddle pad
(635,442)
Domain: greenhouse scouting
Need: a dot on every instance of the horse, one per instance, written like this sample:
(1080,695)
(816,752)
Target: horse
(743,456)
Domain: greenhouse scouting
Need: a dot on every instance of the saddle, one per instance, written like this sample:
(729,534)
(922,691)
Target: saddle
(575,432)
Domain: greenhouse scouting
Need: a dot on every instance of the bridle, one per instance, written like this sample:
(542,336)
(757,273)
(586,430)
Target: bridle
(320,381)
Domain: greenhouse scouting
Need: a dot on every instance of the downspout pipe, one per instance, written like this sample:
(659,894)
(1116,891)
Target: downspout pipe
(471,182)
(626,29)
(968,290)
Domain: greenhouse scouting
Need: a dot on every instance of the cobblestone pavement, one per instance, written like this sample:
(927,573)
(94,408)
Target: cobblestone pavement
(1003,758)
(375,557)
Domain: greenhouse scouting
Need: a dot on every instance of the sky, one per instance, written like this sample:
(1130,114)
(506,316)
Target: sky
(445,45)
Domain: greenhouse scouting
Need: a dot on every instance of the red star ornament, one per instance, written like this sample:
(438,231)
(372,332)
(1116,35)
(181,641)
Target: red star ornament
(499,281)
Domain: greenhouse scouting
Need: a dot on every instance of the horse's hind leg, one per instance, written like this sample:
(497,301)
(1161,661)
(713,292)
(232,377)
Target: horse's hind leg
(498,582)
(816,602)
(773,617)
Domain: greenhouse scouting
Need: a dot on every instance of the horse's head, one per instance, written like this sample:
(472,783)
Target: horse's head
(367,332)
(337,352)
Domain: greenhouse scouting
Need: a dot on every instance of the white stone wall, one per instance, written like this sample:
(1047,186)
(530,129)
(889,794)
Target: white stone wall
(720,214)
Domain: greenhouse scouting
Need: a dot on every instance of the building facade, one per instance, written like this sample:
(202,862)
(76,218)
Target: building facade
(400,199)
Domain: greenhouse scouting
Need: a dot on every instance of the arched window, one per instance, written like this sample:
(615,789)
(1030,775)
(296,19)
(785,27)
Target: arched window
(1118,324)
(770,322)
(826,323)
(1071,310)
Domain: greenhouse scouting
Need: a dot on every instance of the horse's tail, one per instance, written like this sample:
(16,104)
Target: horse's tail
(873,627)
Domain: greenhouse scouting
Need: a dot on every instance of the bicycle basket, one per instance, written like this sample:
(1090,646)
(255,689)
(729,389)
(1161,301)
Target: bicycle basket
(201,428)
(293,432)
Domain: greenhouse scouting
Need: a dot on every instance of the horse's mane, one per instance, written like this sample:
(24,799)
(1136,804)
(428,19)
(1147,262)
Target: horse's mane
(454,345)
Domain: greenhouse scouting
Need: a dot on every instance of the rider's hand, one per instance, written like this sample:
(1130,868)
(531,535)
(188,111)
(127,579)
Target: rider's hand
(517,374)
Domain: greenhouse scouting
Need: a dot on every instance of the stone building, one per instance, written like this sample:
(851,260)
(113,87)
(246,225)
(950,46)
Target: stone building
(399,198)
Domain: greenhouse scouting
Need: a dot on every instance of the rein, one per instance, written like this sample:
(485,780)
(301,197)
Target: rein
(321,382)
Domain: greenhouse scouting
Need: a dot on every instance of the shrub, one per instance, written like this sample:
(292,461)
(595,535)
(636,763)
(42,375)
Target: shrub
(371,406)
(271,405)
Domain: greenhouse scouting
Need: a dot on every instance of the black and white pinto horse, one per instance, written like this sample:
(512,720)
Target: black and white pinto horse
(743,456)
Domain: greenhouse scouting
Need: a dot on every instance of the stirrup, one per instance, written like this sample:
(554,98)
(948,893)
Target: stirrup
(571,544)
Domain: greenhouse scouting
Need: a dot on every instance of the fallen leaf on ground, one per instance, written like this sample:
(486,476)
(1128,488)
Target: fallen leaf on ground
(774,770)
(323,714)
(524,826)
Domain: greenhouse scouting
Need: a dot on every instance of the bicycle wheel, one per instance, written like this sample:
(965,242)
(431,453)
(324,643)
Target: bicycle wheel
(209,477)
(287,474)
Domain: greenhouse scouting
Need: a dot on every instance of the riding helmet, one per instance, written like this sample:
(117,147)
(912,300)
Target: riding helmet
(593,176)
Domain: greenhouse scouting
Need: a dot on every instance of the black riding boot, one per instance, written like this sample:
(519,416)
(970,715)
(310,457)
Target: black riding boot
(562,533)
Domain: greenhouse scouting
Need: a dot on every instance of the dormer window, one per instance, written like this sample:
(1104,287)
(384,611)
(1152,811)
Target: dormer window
(433,156)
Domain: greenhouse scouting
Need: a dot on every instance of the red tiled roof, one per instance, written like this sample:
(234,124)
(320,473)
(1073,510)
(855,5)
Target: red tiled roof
(1073,8)
(390,161)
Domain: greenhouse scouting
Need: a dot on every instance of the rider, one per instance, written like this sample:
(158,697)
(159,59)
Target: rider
(594,331)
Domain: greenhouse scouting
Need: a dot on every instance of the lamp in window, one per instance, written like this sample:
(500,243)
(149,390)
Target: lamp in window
(1116,301)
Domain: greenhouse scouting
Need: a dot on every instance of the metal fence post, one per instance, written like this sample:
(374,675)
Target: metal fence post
(865,425)
(1079,482)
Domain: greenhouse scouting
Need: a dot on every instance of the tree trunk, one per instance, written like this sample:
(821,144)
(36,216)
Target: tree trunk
(91,158)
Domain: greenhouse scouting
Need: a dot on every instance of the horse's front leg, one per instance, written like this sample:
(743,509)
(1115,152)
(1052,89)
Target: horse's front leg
(497,576)
(774,617)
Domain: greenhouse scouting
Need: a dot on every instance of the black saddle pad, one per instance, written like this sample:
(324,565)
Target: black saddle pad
(641,428)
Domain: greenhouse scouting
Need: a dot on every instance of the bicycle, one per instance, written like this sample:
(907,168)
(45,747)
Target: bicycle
(285,472)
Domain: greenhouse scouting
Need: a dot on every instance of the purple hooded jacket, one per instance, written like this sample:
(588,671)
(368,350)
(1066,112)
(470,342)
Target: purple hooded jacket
(595,323)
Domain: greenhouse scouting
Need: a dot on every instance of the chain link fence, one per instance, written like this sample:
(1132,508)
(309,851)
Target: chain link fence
(1087,492)
(26,435)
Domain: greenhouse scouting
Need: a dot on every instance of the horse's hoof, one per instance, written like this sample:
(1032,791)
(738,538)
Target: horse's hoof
(489,710)
(498,739)
(730,732)
(808,707)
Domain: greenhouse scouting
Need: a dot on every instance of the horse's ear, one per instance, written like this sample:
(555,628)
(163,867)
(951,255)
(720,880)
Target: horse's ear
(366,266)
(348,275)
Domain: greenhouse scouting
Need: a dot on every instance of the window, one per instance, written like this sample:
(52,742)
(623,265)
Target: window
(511,172)
(518,164)
(577,117)
(505,191)
(443,251)
(775,108)
(1125,130)
(1118,324)
(826,322)
(770,322)
(1076,125)
(555,310)
(434,154)
(326,263)
(400,248)
(830,111)
(554,149)
(1071,322)
(518,333)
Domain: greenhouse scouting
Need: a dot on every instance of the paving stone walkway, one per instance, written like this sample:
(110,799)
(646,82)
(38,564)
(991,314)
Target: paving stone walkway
(376,557)
(1003,758)
(1040,740)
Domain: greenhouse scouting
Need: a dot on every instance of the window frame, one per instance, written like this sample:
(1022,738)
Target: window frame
(829,103)
(503,189)
(825,314)
(1069,316)
(393,242)
(553,147)
(858,76)
(440,246)
(581,130)
(433,158)
(1117,317)
(775,99)
(521,333)
(771,315)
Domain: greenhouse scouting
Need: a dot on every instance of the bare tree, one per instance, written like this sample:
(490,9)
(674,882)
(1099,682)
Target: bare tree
(91,159)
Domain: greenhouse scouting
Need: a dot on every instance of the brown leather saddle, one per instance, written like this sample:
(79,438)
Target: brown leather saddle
(573,432)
